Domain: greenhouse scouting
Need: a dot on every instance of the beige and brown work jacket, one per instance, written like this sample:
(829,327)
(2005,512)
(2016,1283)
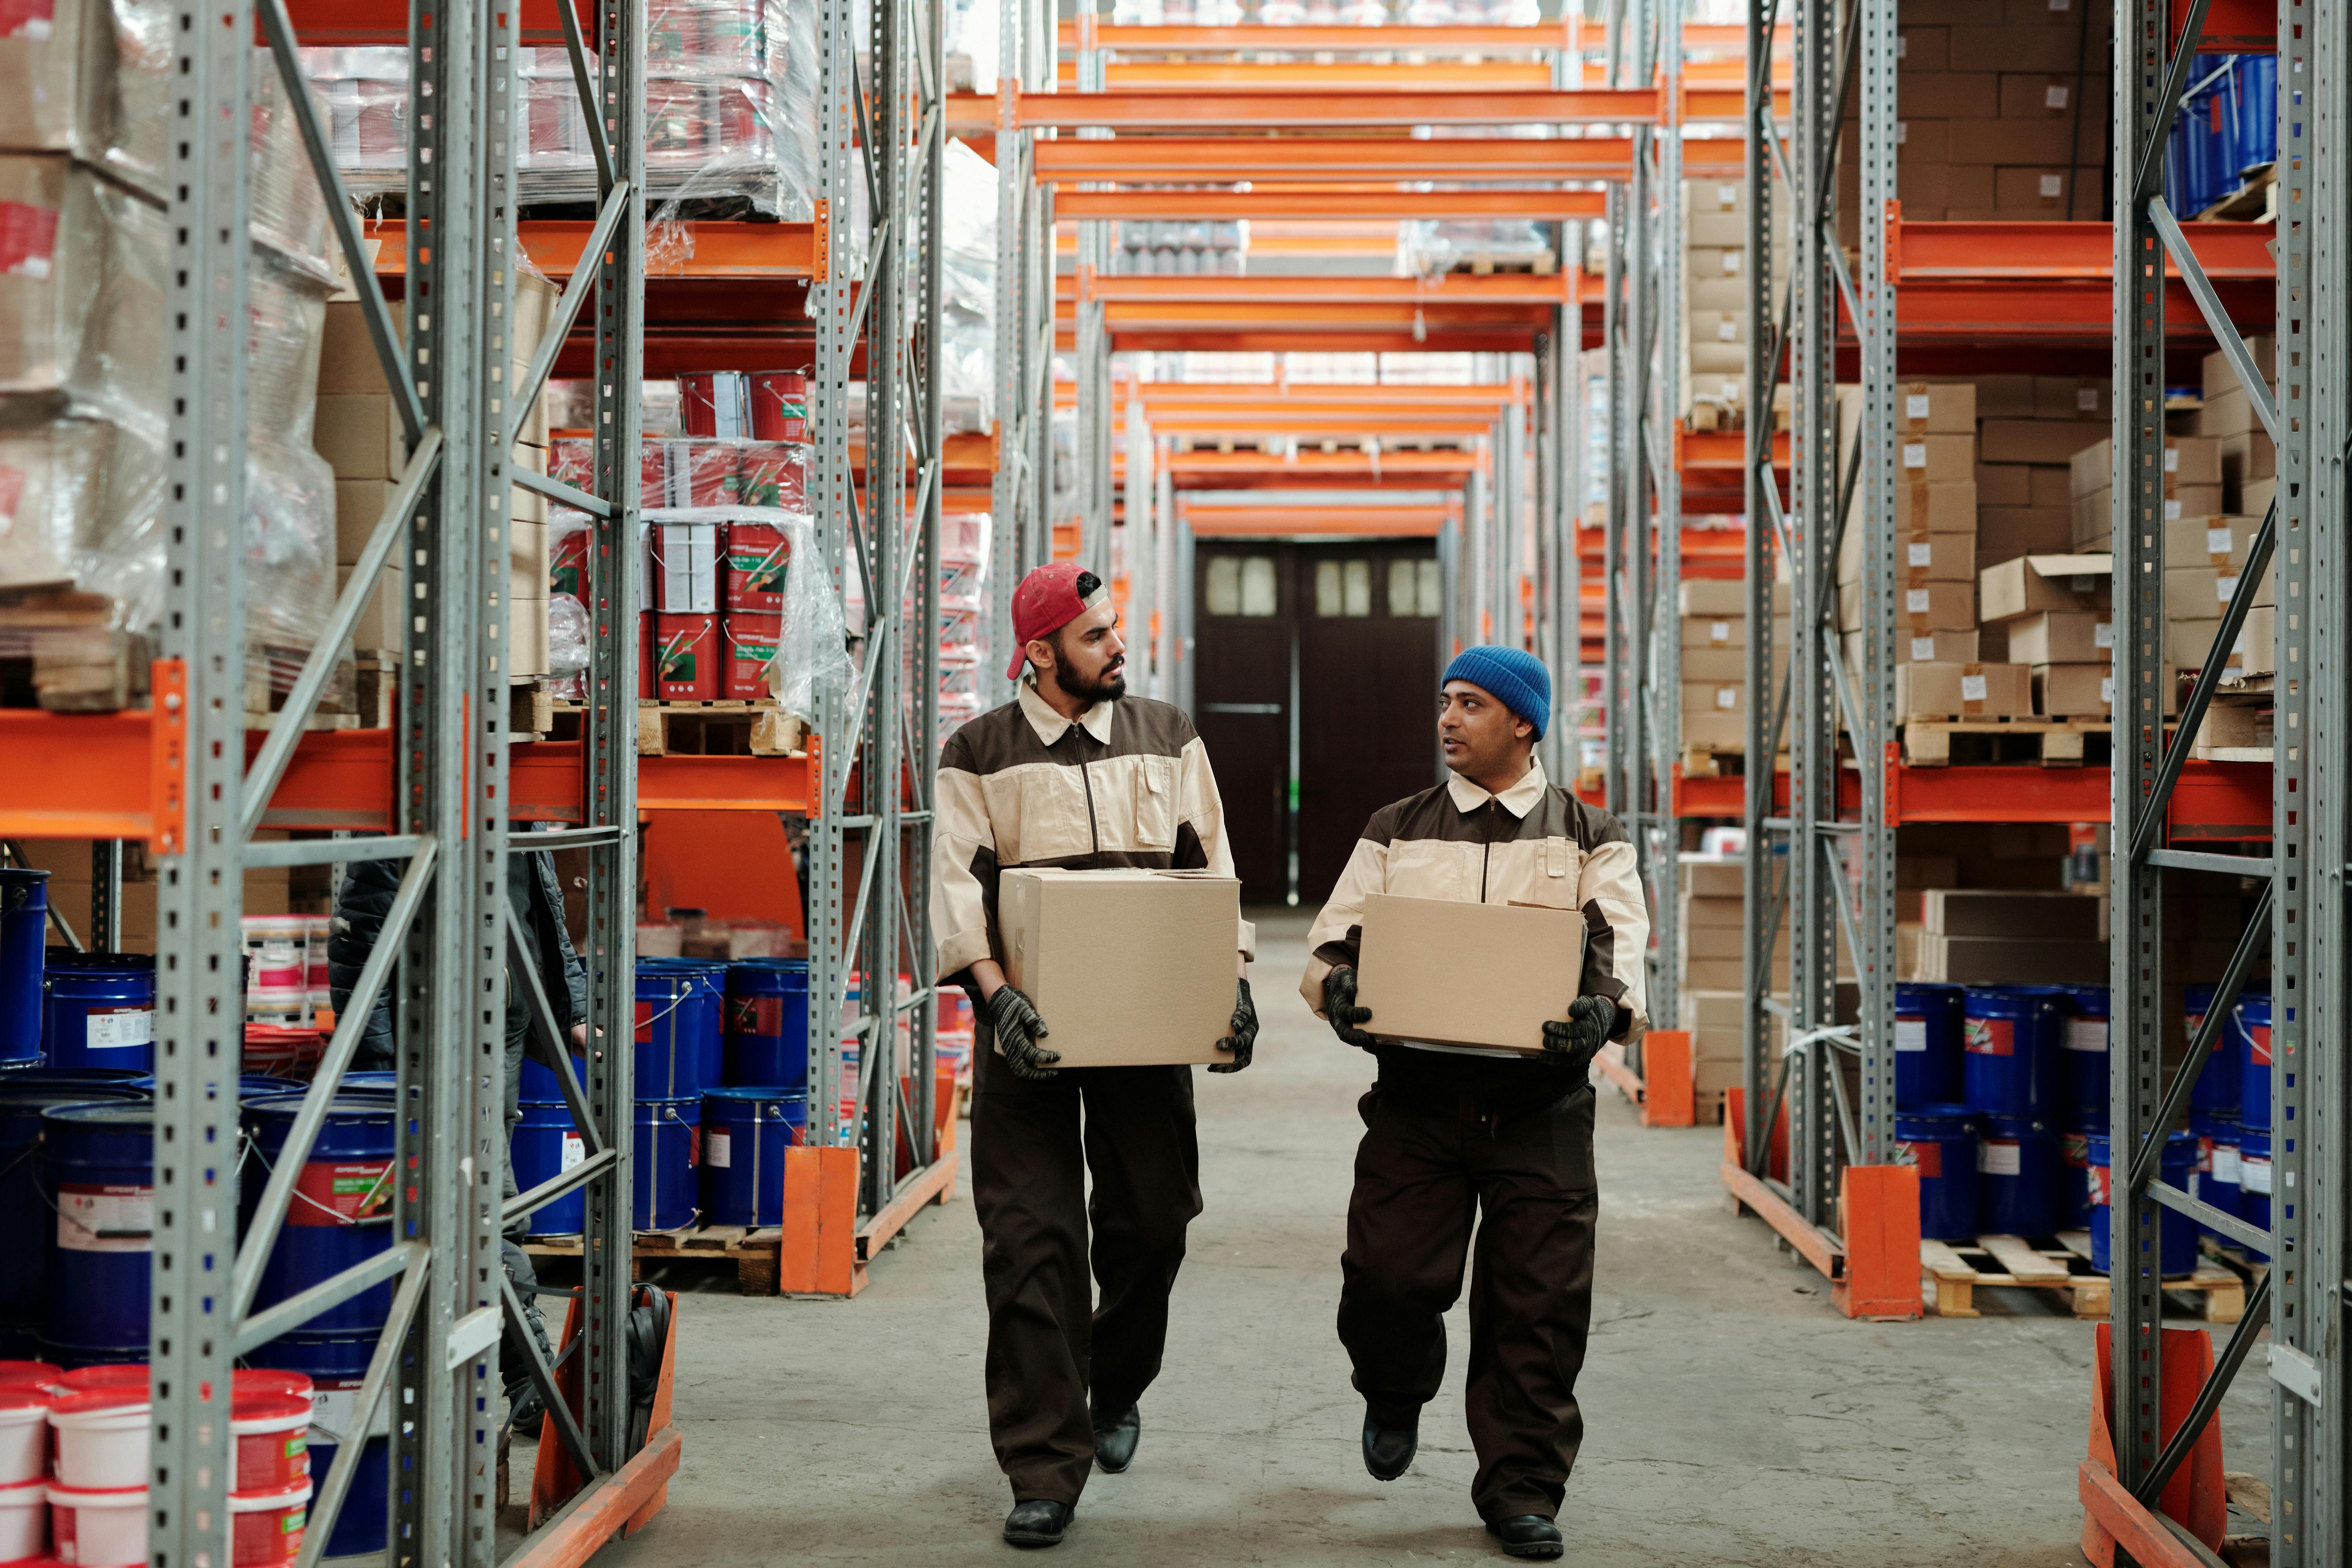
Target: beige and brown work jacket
(1532,843)
(1127,785)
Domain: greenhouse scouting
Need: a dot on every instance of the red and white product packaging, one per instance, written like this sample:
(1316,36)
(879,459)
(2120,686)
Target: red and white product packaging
(685,567)
(694,472)
(646,664)
(961,580)
(715,403)
(105,1528)
(752,640)
(24,1522)
(780,406)
(773,473)
(759,556)
(272,1434)
(23,1436)
(685,654)
(101,1437)
(265,1527)
(38,1373)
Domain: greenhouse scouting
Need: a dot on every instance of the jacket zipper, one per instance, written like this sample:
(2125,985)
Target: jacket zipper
(1093,829)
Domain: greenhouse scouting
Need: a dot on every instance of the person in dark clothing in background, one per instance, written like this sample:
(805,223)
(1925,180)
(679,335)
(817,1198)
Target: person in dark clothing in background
(536,897)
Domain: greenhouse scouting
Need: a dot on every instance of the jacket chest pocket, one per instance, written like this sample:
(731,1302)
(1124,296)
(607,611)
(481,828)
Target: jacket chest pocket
(1155,802)
(1548,872)
(1039,813)
(1423,869)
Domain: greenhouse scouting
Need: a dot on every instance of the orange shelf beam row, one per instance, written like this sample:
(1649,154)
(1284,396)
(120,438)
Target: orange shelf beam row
(1281,107)
(2214,802)
(1367,200)
(1387,522)
(1924,252)
(1387,158)
(1283,290)
(704,248)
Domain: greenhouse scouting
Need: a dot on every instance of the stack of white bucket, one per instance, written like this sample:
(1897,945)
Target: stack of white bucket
(285,984)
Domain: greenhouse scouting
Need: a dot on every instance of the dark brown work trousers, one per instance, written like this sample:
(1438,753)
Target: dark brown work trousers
(1049,1342)
(1430,1161)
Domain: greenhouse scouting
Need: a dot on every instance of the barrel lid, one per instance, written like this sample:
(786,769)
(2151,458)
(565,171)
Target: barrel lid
(40,1096)
(1940,1110)
(59,958)
(344,1106)
(748,1092)
(2014,1126)
(788,965)
(123,1115)
(22,874)
(72,1075)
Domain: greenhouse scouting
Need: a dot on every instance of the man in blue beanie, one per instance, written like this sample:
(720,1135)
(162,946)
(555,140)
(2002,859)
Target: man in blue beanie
(1449,1132)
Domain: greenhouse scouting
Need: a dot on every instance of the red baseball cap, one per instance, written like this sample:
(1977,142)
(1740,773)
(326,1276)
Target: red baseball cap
(1046,601)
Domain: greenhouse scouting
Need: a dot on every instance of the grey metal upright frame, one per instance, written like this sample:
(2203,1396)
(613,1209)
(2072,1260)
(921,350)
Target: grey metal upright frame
(879,525)
(1022,484)
(448,929)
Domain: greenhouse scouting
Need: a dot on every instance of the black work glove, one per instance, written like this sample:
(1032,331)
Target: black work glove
(1583,1032)
(1243,1039)
(1018,1030)
(1339,1006)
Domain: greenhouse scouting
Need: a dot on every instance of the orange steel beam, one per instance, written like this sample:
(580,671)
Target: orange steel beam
(1953,308)
(1406,423)
(1191,76)
(1332,394)
(1396,521)
(1406,315)
(1284,289)
(1433,338)
(1714,36)
(1319,466)
(717,249)
(1924,251)
(1369,201)
(1721,449)
(1279,109)
(1220,158)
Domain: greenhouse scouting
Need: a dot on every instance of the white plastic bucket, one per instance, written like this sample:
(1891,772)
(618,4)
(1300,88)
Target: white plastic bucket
(24,1522)
(101,1439)
(267,1526)
(98,1529)
(23,1436)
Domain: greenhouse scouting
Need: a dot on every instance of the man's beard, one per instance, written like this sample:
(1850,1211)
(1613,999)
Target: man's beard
(1109,686)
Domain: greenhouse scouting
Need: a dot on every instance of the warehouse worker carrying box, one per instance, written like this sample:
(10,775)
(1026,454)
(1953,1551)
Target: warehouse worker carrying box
(1061,815)
(1484,1100)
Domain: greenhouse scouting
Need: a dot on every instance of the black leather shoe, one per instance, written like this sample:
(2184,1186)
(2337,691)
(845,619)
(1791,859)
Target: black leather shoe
(1525,1535)
(1115,1436)
(1389,1450)
(1039,1522)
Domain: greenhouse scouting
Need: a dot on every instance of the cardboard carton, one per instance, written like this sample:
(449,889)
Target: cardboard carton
(1928,647)
(1486,975)
(1713,696)
(1949,409)
(2005,533)
(2003,960)
(1958,911)
(2222,375)
(1128,968)
(1918,609)
(1934,460)
(1713,876)
(2031,440)
(1975,690)
(2032,583)
(2082,398)
(1949,507)
(2073,691)
(2063,637)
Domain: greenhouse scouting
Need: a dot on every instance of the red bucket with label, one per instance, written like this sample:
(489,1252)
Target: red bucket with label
(780,406)
(568,540)
(272,1432)
(699,472)
(751,641)
(775,473)
(646,665)
(266,1526)
(715,403)
(685,657)
(759,555)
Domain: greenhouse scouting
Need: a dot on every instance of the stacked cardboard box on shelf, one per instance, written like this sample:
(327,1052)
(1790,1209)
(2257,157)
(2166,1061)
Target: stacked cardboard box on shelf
(1718,1024)
(2249,482)
(2012,937)
(1715,331)
(1715,694)
(2004,114)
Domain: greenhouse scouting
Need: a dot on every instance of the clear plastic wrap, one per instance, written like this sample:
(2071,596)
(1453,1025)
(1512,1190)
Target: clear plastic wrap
(698,470)
(812,644)
(1427,247)
(967,290)
(568,630)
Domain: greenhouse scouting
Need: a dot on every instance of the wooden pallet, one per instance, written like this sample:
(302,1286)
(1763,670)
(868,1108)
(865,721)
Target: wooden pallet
(726,728)
(1931,742)
(753,1252)
(2256,201)
(2237,1259)
(1955,1269)
(1539,263)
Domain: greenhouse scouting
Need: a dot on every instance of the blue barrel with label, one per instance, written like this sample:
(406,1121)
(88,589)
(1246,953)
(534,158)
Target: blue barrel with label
(2074,1179)
(681,1016)
(2214,1179)
(2011,1066)
(2216,1088)
(24,937)
(745,1132)
(545,1143)
(338,1214)
(2082,1039)
(2176,1233)
(98,1176)
(767,1023)
(98,1010)
(373,1080)
(1928,1034)
(336,1364)
(2254,1180)
(25,1218)
(2017,1176)
(666,1163)
(540,1086)
(2254,94)
(1941,1142)
(2250,1038)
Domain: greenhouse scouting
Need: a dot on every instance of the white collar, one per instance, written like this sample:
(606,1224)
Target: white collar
(1050,725)
(1519,800)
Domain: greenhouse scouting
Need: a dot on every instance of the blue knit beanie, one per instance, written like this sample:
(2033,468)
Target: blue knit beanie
(1514,676)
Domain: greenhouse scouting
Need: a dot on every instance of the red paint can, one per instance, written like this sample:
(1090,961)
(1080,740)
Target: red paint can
(759,557)
(646,654)
(715,403)
(696,472)
(567,553)
(780,406)
(752,640)
(775,473)
(685,648)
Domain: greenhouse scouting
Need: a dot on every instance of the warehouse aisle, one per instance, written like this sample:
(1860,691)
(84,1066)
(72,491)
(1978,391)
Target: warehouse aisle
(1733,1417)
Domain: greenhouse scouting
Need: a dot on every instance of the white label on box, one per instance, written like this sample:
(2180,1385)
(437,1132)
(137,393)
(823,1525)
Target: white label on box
(1972,688)
(2172,459)
(1726,196)
(1923,649)
(1918,554)
(575,1149)
(2000,1157)
(2086,398)
(2054,96)
(1902,132)
(1915,454)
(1731,261)
(1914,601)
(100,1218)
(1727,330)
(1902,47)
(2254,1173)
(2225,1164)
(717,1147)
(1915,405)
(2223,587)
(1718,631)
(1910,1034)
(1727,697)
(2107,691)
(2102,635)
(111,1027)
(2086,1033)
(334,1411)
(2172,509)
(2218,541)
(2053,186)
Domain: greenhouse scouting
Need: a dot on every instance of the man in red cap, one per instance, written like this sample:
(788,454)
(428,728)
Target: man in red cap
(1073,773)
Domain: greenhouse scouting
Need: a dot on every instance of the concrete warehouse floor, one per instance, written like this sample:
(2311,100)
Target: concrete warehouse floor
(1733,1416)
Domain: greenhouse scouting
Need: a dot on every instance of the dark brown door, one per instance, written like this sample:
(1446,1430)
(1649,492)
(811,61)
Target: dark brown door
(1347,634)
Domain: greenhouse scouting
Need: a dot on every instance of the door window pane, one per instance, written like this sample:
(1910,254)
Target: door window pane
(1355,579)
(1257,586)
(1405,595)
(1433,590)
(1223,588)
(1326,589)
